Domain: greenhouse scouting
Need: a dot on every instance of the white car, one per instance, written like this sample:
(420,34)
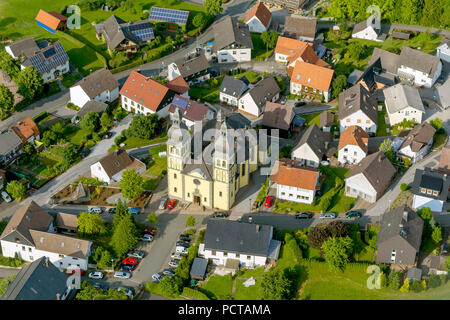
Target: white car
(174,263)
(147,237)
(176,255)
(95,210)
(96,275)
(181,250)
(6,196)
(157,277)
(127,291)
(136,254)
(122,275)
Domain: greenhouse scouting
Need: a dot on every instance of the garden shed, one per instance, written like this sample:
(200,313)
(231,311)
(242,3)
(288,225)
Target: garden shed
(198,269)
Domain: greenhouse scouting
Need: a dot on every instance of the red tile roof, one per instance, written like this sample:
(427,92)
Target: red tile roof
(260,11)
(290,173)
(47,19)
(178,84)
(144,90)
(354,135)
(312,76)
(26,128)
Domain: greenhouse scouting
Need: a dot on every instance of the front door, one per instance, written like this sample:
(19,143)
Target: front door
(197,200)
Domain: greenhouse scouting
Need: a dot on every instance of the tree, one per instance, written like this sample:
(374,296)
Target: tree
(190,221)
(339,84)
(417,286)
(90,224)
(105,121)
(6,99)
(121,211)
(436,235)
(434,281)
(28,149)
(337,229)
(395,279)
(125,236)
(59,129)
(403,187)
(152,218)
(317,236)
(213,7)
(275,285)
(427,217)
(337,252)
(17,190)
(144,127)
(199,20)
(171,286)
(405,287)
(436,123)
(49,138)
(30,83)
(90,122)
(68,155)
(132,184)
(9,65)
(355,50)
(386,148)
(269,38)
(105,260)
(447,264)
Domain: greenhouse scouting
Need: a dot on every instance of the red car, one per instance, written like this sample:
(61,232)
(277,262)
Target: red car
(269,201)
(76,271)
(150,231)
(171,204)
(131,261)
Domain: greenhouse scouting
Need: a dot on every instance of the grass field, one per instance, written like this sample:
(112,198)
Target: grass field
(160,163)
(260,51)
(313,118)
(134,142)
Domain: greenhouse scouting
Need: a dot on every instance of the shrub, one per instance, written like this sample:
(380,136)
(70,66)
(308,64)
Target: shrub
(403,187)
(190,232)
(194,294)
(416,286)
(443,278)
(394,280)
(405,287)
(434,281)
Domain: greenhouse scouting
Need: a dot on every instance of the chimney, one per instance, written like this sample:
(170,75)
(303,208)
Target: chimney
(47,263)
(405,215)
(58,296)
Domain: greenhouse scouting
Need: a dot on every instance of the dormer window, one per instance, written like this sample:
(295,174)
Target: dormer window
(435,193)
(429,191)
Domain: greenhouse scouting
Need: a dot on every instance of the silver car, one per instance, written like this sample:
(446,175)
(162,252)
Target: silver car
(122,275)
(136,254)
(328,215)
(162,203)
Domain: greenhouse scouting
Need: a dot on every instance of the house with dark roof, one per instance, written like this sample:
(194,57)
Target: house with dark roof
(389,61)
(444,161)
(373,78)
(358,107)
(326,121)
(250,245)
(30,233)
(399,238)
(280,117)
(90,106)
(311,148)
(100,86)
(370,178)
(10,146)
(418,142)
(198,269)
(403,102)
(143,95)
(258,18)
(121,35)
(253,102)
(431,189)
(52,21)
(66,223)
(39,280)
(192,111)
(368,29)
(193,68)
(419,68)
(353,145)
(22,49)
(232,89)
(109,169)
(232,40)
(300,28)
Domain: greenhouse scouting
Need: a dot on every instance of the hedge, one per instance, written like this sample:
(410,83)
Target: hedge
(194,294)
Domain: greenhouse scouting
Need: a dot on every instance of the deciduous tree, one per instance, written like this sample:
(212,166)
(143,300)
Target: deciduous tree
(269,38)
(105,121)
(16,189)
(125,236)
(275,285)
(339,84)
(317,236)
(30,83)
(6,100)
(90,122)
(143,127)
(190,221)
(213,7)
(337,252)
(132,184)
(90,224)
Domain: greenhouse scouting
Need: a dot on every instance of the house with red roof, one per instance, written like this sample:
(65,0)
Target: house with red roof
(51,21)
(179,86)
(353,145)
(143,95)
(258,18)
(191,111)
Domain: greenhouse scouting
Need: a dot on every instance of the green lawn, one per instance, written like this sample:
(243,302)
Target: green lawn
(134,142)
(312,118)
(439,140)
(207,91)
(382,126)
(70,79)
(151,183)
(251,76)
(159,164)
(260,51)
(217,287)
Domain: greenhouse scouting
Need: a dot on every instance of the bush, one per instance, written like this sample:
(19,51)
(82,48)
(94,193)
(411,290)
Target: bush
(394,280)
(417,286)
(190,232)
(434,281)
(194,294)
(70,105)
(403,187)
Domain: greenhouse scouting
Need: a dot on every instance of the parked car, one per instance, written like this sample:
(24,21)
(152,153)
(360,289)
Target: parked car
(157,277)
(101,286)
(112,210)
(182,250)
(162,203)
(353,214)
(95,210)
(269,201)
(176,255)
(300,103)
(169,272)
(324,163)
(304,215)
(283,100)
(174,263)
(149,231)
(127,267)
(136,254)
(95,275)
(171,204)
(122,275)
(76,271)
(328,215)
(128,291)
(183,244)
(132,261)
(184,237)
(133,210)
(445,249)
(222,214)
(6,196)
(147,237)
(85,152)
(107,135)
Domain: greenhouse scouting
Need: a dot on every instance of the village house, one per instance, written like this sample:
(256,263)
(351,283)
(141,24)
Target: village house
(389,63)
(311,149)
(373,78)
(431,189)
(311,80)
(51,21)
(22,49)
(232,40)
(192,111)
(90,106)
(444,161)
(293,182)
(367,29)
(418,142)
(280,117)
(179,86)
(232,89)
(443,50)
(99,86)
(370,178)
(10,146)
(193,68)
(109,169)
(143,95)
(403,103)
(258,18)
(253,102)
(27,130)
(290,51)
(358,107)
(300,28)
(353,145)
(176,20)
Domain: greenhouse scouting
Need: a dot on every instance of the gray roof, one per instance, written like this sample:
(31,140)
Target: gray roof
(230,30)
(369,22)
(315,139)
(295,26)
(431,180)
(419,137)
(37,281)
(97,82)
(401,96)
(443,94)
(189,67)
(419,60)
(233,87)
(414,274)
(92,106)
(9,140)
(358,98)
(264,91)
(354,76)
(389,61)
(199,267)
(239,237)
(26,48)
(48,58)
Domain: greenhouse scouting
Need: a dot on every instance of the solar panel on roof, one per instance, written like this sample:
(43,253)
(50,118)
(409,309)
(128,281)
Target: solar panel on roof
(142,31)
(180,102)
(48,53)
(169,15)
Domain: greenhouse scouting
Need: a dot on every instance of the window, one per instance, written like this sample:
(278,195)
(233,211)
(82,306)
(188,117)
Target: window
(61,256)
(248,257)
(435,193)
(237,255)
(188,195)
(174,175)
(348,120)
(225,254)
(213,252)
(220,193)
(423,190)
(23,248)
(368,121)
(204,199)
(175,189)
(30,250)
(290,195)
(428,191)
(283,193)
(359,121)
(31,258)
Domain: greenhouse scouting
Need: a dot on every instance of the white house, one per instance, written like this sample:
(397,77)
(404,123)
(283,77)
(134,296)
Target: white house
(358,107)
(258,18)
(253,102)
(31,235)
(194,69)
(232,40)
(294,182)
(418,142)
(99,86)
(232,89)
(443,51)
(310,150)
(353,145)
(367,29)
(403,103)
(430,189)
(418,67)
(234,244)
(22,49)
(109,169)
